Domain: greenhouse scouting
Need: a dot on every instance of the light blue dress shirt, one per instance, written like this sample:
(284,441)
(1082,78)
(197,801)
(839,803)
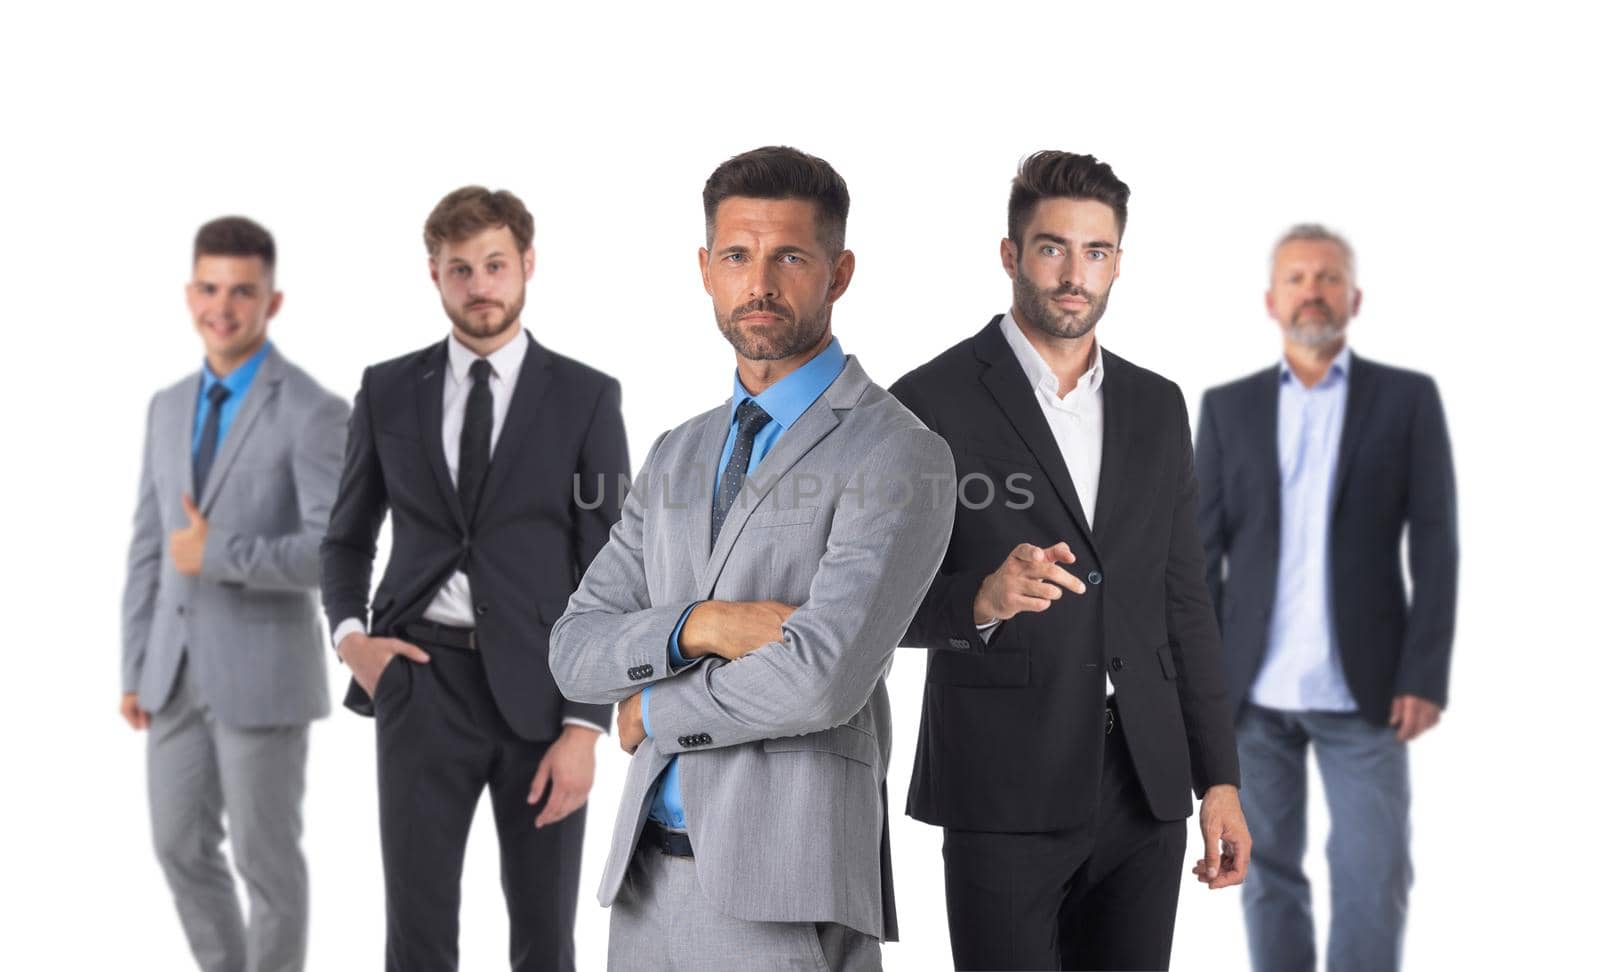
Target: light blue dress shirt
(1301,671)
(785,402)
(237,383)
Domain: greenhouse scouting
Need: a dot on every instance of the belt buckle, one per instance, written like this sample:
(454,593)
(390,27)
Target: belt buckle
(1111,720)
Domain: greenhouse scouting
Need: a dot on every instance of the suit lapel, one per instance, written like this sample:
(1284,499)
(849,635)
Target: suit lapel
(533,381)
(1358,402)
(792,446)
(430,416)
(1263,430)
(1009,385)
(1123,436)
(698,487)
(191,411)
(263,388)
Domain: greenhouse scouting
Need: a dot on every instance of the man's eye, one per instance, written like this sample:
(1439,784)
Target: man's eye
(1096,255)
(495,267)
(1050,251)
(790,258)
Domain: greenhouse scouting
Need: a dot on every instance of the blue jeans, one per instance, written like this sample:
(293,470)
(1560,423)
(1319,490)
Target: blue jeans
(1367,785)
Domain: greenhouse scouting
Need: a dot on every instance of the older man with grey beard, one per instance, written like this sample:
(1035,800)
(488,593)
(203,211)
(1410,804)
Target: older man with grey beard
(1311,471)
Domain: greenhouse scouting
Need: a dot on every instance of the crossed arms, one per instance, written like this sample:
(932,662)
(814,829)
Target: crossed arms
(835,646)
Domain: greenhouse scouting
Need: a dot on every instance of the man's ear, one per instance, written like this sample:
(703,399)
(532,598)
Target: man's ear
(844,270)
(1008,256)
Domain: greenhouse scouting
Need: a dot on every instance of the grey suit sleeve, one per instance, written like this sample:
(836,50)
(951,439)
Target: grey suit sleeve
(1433,554)
(144,567)
(612,641)
(289,562)
(880,559)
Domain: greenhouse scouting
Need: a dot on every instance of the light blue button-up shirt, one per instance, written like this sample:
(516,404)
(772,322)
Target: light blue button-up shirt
(237,382)
(785,402)
(1301,671)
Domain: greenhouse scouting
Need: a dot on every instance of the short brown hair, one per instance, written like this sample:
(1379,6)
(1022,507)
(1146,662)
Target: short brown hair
(780,172)
(472,209)
(236,236)
(1051,174)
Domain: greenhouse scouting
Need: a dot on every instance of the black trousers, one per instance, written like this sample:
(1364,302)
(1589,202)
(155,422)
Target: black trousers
(441,741)
(1104,896)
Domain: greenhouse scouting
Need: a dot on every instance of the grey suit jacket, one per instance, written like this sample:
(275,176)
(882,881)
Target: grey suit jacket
(249,623)
(783,753)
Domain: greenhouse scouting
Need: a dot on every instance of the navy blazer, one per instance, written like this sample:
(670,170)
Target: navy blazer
(1394,477)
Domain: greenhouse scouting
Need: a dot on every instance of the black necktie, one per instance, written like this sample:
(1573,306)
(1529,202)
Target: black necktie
(208,437)
(751,420)
(477,427)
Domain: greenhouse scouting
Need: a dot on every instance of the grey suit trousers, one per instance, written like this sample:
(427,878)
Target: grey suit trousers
(201,770)
(662,921)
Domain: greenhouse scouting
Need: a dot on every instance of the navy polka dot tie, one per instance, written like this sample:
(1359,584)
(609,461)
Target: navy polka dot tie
(751,421)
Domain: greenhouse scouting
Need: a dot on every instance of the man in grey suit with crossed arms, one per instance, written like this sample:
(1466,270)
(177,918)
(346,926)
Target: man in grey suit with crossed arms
(221,642)
(747,607)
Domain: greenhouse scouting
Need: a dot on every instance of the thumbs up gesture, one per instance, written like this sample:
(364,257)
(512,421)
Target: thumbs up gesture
(188,545)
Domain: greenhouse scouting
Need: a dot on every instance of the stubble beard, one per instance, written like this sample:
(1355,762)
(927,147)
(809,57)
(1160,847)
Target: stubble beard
(793,336)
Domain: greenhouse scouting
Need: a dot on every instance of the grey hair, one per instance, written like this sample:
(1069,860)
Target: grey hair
(1320,233)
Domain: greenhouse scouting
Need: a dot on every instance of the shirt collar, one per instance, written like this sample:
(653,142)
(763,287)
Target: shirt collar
(238,380)
(1337,372)
(504,363)
(1038,370)
(795,392)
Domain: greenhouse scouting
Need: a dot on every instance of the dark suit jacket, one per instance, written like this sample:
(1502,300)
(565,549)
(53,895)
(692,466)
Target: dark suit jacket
(531,539)
(1013,732)
(1393,476)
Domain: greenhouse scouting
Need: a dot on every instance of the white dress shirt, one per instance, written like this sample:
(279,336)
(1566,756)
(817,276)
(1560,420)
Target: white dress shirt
(1076,420)
(452,605)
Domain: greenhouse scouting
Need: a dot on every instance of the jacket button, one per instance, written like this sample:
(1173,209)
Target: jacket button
(960,643)
(1116,664)
(683,741)
(482,610)
(1096,577)
(180,609)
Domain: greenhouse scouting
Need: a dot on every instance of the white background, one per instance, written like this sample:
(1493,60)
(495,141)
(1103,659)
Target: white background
(1451,145)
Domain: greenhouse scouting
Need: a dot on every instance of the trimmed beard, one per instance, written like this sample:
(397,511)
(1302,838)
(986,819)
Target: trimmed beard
(1034,303)
(1314,335)
(485,332)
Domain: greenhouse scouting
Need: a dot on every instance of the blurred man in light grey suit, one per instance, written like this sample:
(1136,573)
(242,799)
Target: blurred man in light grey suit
(221,647)
(747,607)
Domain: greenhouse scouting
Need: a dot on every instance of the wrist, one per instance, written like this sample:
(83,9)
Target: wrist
(694,640)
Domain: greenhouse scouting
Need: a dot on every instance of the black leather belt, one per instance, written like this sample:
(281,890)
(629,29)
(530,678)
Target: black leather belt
(673,843)
(441,635)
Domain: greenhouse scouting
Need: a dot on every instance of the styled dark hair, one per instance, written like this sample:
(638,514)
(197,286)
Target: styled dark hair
(1053,174)
(472,209)
(236,236)
(780,172)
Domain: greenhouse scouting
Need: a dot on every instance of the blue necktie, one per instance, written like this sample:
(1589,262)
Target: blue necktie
(208,438)
(752,419)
